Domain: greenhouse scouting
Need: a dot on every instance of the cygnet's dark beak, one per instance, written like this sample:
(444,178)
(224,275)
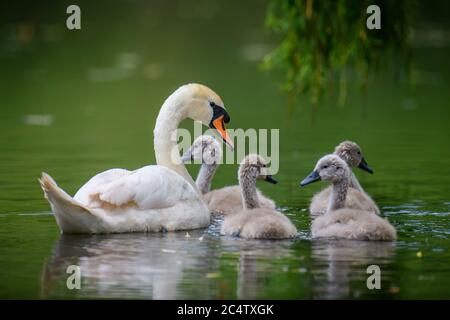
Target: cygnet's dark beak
(313,177)
(270,179)
(364,166)
(187,156)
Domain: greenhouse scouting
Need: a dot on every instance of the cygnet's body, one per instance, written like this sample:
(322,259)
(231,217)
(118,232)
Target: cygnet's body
(255,222)
(225,200)
(340,221)
(351,153)
(229,199)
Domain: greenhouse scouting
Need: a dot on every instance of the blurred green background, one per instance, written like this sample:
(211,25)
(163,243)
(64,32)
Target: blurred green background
(74,103)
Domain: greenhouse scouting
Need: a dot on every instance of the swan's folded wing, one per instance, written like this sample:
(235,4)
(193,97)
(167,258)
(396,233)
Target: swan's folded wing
(119,192)
(150,187)
(84,194)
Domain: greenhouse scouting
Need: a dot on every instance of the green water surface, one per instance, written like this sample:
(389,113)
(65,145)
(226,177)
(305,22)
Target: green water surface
(74,103)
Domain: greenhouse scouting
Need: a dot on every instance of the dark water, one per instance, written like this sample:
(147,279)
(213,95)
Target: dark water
(76,103)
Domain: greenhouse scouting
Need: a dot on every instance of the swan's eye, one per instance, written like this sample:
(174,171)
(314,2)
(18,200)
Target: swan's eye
(212,104)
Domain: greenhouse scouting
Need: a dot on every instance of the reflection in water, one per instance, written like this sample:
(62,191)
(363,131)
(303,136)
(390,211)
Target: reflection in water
(257,264)
(113,266)
(248,279)
(344,261)
(162,266)
(203,265)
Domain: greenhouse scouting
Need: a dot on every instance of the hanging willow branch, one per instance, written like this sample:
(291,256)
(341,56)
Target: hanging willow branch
(321,41)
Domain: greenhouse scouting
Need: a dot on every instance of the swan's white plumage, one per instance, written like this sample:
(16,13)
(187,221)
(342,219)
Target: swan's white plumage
(83,194)
(150,187)
(152,198)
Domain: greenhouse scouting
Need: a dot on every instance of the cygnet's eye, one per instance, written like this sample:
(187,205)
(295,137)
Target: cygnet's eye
(324,167)
(212,103)
(359,152)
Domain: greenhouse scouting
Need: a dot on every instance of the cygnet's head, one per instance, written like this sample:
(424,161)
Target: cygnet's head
(351,153)
(329,168)
(204,105)
(254,167)
(205,150)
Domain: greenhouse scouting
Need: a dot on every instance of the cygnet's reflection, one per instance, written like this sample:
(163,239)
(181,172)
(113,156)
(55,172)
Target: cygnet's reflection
(257,264)
(339,262)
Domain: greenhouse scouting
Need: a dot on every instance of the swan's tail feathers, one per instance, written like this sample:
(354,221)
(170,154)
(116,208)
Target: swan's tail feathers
(71,216)
(47,184)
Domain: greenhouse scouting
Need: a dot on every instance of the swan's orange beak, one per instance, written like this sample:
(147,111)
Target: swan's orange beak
(219,125)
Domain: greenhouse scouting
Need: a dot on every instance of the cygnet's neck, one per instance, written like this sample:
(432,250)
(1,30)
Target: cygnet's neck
(248,187)
(339,193)
(354,183)
(205,176)
(173,111)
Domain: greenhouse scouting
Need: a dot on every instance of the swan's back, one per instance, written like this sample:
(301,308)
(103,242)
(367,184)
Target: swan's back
(84,193)
(152,198)
(150,187)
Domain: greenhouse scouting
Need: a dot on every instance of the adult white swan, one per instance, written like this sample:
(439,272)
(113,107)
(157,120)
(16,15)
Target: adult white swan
(153,198)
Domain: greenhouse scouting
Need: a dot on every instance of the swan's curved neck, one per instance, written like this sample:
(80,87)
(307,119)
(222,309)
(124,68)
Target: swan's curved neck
(205,176)
(249,196)
(167,153)
(338,194)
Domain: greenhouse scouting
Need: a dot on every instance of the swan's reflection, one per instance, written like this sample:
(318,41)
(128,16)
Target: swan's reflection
(341,262)
(162,266)
(148,266)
